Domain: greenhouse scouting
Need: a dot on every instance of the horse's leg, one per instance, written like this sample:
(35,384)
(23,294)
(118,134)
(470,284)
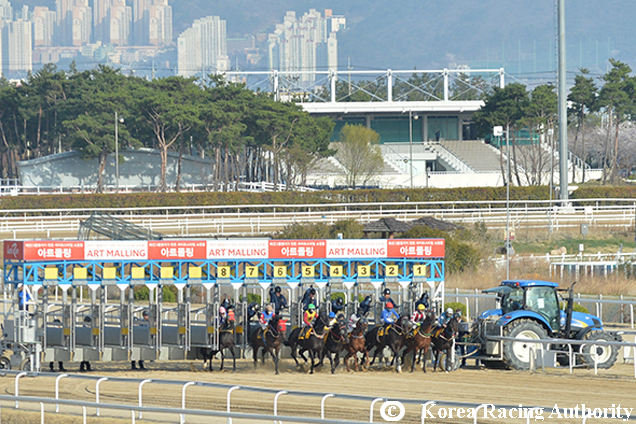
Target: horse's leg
(346,360)
(435,364)
(255,354)
(222,359)
(311,355)
(292,346)
(274,353)
(423,355)
(337,361)
(330,361)
(301,352)
(233,357)
(265,350)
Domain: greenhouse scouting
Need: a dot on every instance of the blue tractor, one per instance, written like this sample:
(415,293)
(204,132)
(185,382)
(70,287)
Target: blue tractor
(530,309)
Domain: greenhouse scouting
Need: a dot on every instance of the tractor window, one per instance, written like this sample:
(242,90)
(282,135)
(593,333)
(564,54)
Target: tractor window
(543,300)
(512,301)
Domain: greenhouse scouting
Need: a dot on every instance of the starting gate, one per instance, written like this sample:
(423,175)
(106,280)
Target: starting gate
(77,301)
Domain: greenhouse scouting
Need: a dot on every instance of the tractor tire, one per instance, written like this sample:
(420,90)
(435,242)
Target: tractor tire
(517,354)
(606,355)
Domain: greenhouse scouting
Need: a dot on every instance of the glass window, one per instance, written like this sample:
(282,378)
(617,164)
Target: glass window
(512,301)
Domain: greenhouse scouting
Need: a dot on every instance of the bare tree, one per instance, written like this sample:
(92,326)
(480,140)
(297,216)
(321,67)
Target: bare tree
(359,154)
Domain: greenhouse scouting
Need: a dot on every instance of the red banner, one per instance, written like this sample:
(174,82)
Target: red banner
(52,250)
(416,248)
(177,249)
(297,249)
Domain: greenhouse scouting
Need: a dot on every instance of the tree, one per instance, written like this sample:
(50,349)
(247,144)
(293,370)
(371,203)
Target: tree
(582,99)
(618,98)
(541,115)
(170,107)
(359,154)
(505,107)
(94,98)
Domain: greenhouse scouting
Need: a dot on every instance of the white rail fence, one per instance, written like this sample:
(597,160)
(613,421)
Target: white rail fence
(256,220)
(136,411)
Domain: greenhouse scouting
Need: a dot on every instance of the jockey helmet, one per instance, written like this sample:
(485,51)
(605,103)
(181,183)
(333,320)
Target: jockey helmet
(449,311)
(389,305)
(312,291)
(421,307)
(269,307)
(386,291)
(311,307)
(339,301)
(332,314)
(222,310)
(277,289)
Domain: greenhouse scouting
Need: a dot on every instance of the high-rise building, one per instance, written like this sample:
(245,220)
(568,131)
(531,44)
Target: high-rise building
(141,22)
(203,47)
(6,11)
(120,23)
(43,26)
(160,23)
(305,44)
(16,47)
(74,22)
(101,9)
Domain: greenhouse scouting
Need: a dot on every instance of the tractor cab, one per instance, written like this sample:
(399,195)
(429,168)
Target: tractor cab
(520,297)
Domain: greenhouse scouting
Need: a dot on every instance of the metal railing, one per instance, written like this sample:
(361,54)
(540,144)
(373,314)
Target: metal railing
(137,411)
(259,219)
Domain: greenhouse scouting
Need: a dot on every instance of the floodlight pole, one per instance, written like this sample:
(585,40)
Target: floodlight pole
(508,204)
(116,154)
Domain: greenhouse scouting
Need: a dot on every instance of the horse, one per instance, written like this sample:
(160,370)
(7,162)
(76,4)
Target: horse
(226,341)
(334,343)
(355,344)
(313,343)
(394,338)
(421,340)
(444,340)
(269,339)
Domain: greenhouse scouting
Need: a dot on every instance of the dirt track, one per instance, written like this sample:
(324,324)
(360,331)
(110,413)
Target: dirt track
(505,387)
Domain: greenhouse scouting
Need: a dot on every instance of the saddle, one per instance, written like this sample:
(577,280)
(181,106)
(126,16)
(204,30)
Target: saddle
(383,331)
(305,333)
(438,331)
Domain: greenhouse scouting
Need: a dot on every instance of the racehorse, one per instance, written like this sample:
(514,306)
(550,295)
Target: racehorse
(356,344)
(445,340)
(334,343)
(313,343)
(394,338)
(421,340)
(226,341)
(269,339)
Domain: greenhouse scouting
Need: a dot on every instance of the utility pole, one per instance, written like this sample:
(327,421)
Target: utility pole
(563,117)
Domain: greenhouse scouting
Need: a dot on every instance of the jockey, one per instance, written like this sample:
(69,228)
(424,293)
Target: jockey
(332,319)
(445,317)
(389,316)
(310,315)
(351,324)
(266,315)
(222,317)
(418,316)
